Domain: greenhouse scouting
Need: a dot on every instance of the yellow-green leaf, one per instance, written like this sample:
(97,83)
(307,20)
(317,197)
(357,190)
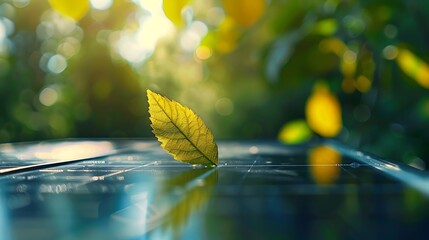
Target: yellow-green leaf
(75,9)
(294,132)
(181,132)
(413,66)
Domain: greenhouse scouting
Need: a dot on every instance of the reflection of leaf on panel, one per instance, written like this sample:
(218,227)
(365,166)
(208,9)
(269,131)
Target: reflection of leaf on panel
(324,162)
(166,207)
(186,194)
(181,132)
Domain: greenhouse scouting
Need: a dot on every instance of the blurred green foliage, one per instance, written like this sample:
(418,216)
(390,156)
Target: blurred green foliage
(246,67)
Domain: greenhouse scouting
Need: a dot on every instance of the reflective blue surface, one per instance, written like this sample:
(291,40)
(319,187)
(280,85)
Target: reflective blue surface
(261,190)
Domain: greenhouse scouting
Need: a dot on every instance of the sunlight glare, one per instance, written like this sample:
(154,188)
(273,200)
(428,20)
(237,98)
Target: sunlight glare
(67,150)
(150,5)
(139,45)
(192,37)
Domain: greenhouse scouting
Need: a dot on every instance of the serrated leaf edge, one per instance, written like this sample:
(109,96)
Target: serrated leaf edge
(163,143)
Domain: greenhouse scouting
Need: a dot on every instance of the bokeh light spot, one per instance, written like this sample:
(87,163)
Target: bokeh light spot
(349,56)
(348,64)
(224,106)
(215,15)
(203,52)
(57,64)
(390,31)
(2,30)
(101,4)
(199,28)
(192,37)
(20,3)
(69,47)
(7,27)
(48,96)
(253,149)
(7,10)
(390,52)
(45,30)
(190,40)
(354,25)
(362,113)
(363,84)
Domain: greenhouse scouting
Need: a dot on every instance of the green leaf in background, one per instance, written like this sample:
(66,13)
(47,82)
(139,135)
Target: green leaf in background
(181,132)
(294,132)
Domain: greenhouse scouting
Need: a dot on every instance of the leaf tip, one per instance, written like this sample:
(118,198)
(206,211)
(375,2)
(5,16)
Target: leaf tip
(149,92)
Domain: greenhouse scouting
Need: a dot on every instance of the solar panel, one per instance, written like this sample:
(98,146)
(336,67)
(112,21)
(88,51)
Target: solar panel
(132,189)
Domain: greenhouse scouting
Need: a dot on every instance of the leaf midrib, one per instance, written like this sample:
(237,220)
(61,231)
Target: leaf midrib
(186,137)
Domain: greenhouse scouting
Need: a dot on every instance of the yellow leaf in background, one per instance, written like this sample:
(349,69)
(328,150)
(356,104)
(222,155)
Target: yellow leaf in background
(244,12)
(324,164)
(323,112)
(75,9)
(173,10)
(294,132)
(414,67)
(334,45)
(348,63)
(181,132)
(227,36)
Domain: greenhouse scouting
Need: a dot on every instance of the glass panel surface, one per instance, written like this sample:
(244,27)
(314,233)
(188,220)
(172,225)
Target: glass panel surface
(261,190)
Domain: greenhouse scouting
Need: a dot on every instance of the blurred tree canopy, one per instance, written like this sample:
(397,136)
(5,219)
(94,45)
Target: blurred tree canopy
(354,70)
